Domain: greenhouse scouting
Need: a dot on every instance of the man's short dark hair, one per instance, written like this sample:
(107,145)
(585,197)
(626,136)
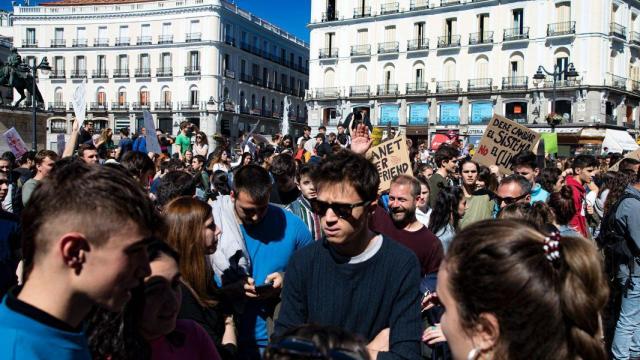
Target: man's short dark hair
(200,159)
(584,161)
(322,127)
(306,169)
(137,163)
(628,164)
(174,165)
(320,136)
(348,167)
(85,147)
(43,154)
(124,131)
(307,128)
(283,165)
(28,156)
(524,158)
(522,181)
(173,185)
(253,180)
(444,153)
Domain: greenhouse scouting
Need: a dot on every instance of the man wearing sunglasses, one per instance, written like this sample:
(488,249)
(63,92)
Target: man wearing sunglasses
(513,189)
(353,278)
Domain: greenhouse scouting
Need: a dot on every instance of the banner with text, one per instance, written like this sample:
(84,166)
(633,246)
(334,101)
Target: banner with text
(503,139)
(391,159)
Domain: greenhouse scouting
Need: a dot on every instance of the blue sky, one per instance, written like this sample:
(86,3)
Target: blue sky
(290,15)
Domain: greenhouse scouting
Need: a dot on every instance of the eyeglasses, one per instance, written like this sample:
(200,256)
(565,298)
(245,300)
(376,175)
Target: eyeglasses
(510,200)
(341,210)
(303,348)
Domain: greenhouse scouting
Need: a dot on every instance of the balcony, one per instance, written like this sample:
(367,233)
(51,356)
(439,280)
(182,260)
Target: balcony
(418,88)
(329,16)
(32,43)
(120,106)
(359,91)
(361,50)
(78,74)
(516,34)
(100,42)
(419,5)
(58,43)
(79,43)
(634,39)
(445,42)
(57,74)
(389,8)
(193,37)
(229,74)
(561,29)
(481,38)
(164,72)
(165,39)
(618,31)
(141,106)
(328,93)
(484,84)
(120,73)
(449,2)
(328,53)
(143,73)
(615,81)
(144,40)
(99,74)
(447,86)
(361,12)
(189,105)
(515,82)
(388,90)
(390,47)
(123,41)
(57,106)
(192,70)
(230,40)
(560,83)
(99,106)
(418,45)
(163,106)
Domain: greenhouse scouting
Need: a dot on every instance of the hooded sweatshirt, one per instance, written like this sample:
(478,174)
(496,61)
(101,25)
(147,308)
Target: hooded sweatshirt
(579,221)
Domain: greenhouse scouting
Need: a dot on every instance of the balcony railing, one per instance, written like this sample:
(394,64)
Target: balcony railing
(29,43)
(80,43)
(448,41)
(230,40)
(618,31)
(99,74)
(144,40)
(120,106)
(143,73)
(189,105)
(388,47)
(634,38)
(417,44)
(419,5)
(164,71)
(388,90)
(100,42)
(616,81)
(359,91)
(57,74)
(123,41)
(328,53)
(561,28)
(56,43)
(192,70)
(515,34)
(58,105)
(193,37)
(479,84)
(448,86)
(163,105)
(361,50)
(515,82)
(329,16)
(560,83)
(99,106)
(481,38)
(229,74)
(141,106)
(361,12)
(121,73)
(389,8)
(449,2)
(417,88)
(78,73)
(328,92)
(165,39)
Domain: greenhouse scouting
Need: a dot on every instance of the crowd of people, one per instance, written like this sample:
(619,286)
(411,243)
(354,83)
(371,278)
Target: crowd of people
(281,249)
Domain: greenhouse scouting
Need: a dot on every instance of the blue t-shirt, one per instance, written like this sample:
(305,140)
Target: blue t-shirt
(270,245)
(539,194)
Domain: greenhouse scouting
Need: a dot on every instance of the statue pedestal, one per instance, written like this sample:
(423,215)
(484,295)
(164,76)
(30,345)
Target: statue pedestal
(22,120)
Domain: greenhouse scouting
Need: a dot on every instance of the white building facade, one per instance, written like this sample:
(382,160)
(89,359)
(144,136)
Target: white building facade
(204,61)
(432,66)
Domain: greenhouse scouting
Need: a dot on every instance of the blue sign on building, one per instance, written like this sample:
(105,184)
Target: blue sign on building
(450,114)
(418,114)
(481,112)
(389,115)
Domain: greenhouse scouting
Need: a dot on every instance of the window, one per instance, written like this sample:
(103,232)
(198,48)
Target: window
(228,32)
(143,97)
(166,29)
(483,27)
(388,75)
(419,33)
(165,62)
(145,31)
(226,60)
(516,65)
(390,34)
(81,33)
(58,64)
(265,75)
(166,96)
(102,34)
(361,76)
(102,64)
(194,60)
(329,43)
(122,96)
(363,37)
(193,96)
(562,61)
(563,12)
(450,29)
(123,63)
(101,97)
(292,83)
(58,97)
(31,36)
(255,70)
(194,26)
(123,32)
(81,64)
(253,101)
(482,67)
(518,20)
(450,70)
(329,76)
(59,35)
(418,73)
(144,62)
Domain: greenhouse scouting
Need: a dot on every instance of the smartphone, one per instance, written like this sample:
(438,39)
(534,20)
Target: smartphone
(261,289)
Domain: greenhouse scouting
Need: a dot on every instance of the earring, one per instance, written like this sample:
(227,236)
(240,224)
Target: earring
(474,354)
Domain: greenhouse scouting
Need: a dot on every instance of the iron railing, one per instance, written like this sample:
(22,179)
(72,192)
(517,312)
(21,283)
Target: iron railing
(417,88)
(99,74)
(515,82)
(144,40)
(123,41)
(79,43)
(361,12)
(191,70)
(389,8)
(417,44)
(328,53)
(121,73)
(452,86)
(164,71)
(56,43)
(515,34)
(561,28)
(359,91)
(448,41)
(388,90)
(388,47)
(618,30)
(481,38)
(165,39)
(360,50)
(419,5)
(193,37)
(482,84)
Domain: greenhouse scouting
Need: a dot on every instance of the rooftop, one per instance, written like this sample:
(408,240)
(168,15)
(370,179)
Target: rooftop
(91,2)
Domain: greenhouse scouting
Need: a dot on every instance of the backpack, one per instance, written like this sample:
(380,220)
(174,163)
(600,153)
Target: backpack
(615,242)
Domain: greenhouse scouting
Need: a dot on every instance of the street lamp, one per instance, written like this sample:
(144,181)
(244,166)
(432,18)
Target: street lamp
(44,68)
(570,74)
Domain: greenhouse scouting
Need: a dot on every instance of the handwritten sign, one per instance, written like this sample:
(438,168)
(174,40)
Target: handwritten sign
(15,142)
(391,159)
(502,140)
(79,103)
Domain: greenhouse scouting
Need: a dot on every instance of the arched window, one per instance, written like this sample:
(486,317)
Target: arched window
(329,78)
(516,65)
(418,72)
(58,97)
(253,101)
(194,95)
(450,70)
(388,75)
(482,67)
(361,76)
(166,96)
(143,96)
(562,61)
(243,100)
(101,96)
(122,96)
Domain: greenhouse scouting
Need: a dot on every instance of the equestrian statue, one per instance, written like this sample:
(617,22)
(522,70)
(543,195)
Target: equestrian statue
(15,74)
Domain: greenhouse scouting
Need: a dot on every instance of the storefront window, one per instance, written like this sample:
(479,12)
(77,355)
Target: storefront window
(418,114)
(481,112)
(389,115)
(449,114)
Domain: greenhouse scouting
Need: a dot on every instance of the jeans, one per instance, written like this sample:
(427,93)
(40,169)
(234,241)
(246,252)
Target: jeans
(626,341)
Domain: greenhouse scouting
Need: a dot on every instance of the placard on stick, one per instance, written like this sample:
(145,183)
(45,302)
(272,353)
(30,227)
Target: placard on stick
(503,139)
(391,159)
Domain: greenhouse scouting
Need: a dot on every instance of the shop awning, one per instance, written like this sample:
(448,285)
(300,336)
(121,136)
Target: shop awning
(618,141)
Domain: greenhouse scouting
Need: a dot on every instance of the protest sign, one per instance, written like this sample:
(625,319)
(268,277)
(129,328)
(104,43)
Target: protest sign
(79,103)
(550,142)
(153,145)
(15,142)
(391,159)
(502,140)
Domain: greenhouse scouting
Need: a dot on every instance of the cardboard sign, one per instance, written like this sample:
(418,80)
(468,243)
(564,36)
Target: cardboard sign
(391,159)
(15,142)
(550,142)
(79,103)
(502,140)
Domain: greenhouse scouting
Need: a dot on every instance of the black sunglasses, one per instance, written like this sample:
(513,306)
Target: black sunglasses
(341,210)
(510,200)
(303,348)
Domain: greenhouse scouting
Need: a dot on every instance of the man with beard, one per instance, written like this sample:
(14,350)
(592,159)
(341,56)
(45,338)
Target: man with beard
(402,225)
